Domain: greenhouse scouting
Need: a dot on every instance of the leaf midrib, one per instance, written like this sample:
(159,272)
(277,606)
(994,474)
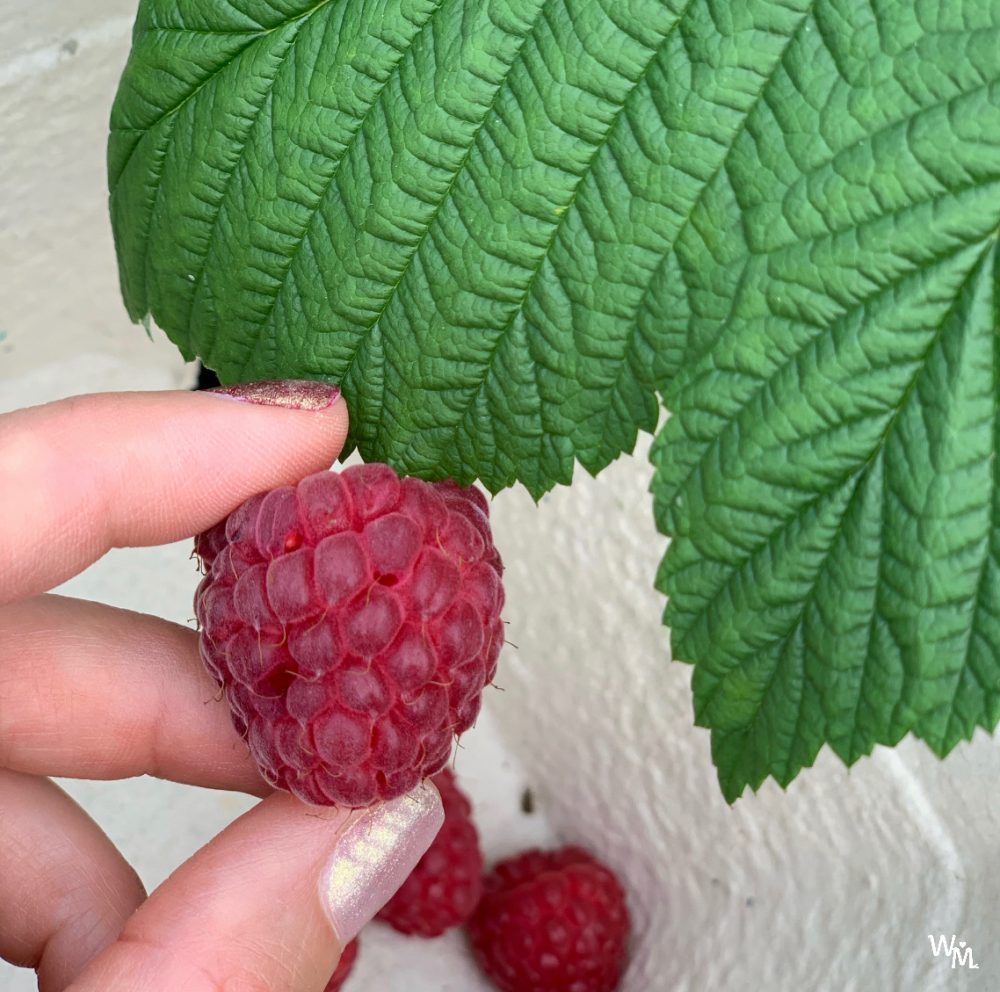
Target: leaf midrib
(371,328)
(877,447)
(466,405)
(966,665)
(847,227)
(686,381)
(262,324)
(861,471)
(213,75)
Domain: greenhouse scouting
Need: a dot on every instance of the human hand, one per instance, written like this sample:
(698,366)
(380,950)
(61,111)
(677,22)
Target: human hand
(89,691)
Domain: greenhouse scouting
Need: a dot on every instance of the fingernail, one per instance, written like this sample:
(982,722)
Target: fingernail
(292,394)
(375,855)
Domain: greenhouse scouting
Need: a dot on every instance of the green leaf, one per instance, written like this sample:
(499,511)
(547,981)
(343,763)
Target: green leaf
(462,210)
(506,225)
(829,472)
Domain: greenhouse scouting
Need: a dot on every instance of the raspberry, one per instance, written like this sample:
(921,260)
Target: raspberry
(551,921)
(344,967)
(353,621)
(444,888)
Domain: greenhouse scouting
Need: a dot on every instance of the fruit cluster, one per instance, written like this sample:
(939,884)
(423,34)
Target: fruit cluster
(543,921)
(352,622)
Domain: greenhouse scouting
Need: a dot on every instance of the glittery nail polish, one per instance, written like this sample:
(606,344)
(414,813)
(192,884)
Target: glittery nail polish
(375,855)
(292,394)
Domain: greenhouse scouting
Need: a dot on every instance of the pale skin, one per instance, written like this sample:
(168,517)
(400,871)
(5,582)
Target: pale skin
(100,693)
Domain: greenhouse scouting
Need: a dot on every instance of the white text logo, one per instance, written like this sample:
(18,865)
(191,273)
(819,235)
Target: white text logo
(959,952)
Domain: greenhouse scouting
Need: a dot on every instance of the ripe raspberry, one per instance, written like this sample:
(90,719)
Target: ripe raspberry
(353,621)
(444,888)
(344,967)
(551,921)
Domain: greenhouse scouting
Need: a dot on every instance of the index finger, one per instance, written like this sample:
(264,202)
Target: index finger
(84,475)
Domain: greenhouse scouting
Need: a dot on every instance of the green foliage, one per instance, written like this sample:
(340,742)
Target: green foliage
(829,472)
(506,226)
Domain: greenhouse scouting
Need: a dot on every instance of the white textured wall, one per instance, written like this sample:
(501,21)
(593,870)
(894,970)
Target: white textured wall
(834,885)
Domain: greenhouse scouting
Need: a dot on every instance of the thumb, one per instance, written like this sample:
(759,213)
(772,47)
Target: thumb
(271,902)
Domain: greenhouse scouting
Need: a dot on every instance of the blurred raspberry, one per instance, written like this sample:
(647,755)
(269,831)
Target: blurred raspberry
(551,921)
(444,888)
(344,967)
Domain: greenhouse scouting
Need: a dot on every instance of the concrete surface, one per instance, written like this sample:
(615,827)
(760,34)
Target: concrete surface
(832,886)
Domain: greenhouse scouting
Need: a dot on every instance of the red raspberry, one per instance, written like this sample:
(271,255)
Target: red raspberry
(353,621)
(344,967)
(551,921)
(444,888)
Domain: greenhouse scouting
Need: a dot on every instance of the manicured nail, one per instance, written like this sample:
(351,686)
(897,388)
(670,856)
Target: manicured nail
(375,855)
(292,394)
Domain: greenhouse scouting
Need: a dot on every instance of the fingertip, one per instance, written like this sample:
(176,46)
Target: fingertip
(135,469)
(289,394)
(374,856)
(254,890)
(291,413)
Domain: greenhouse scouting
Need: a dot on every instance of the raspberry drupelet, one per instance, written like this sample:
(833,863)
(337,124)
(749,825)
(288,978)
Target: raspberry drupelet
(352,621)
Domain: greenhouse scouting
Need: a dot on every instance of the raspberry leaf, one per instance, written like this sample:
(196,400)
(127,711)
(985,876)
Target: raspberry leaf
(829,474)
(463,211)
(506,226)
